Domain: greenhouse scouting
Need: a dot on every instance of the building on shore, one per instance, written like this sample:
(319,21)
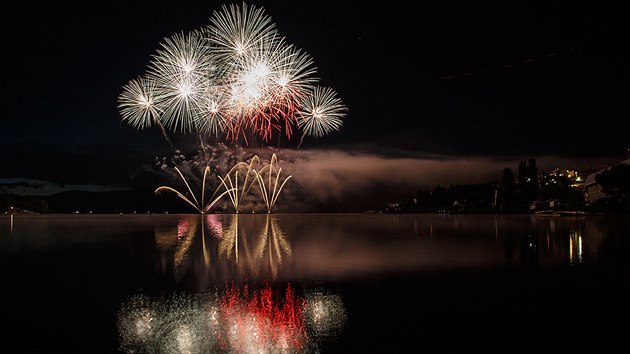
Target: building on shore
(594,190)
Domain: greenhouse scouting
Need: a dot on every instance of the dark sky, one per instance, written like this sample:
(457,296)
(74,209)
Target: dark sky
(505,79)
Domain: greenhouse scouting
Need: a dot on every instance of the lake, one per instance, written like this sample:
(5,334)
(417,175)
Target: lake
(313,283)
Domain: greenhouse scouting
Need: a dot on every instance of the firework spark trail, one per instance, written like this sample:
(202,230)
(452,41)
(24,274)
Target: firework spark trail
(237,184)
(270,194)
(233,188)
(234,77)
(200,207)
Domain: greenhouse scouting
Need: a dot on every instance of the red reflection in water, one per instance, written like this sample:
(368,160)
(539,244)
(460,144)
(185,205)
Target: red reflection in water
(239,319)
(215,225)
(182,228)
(263,319)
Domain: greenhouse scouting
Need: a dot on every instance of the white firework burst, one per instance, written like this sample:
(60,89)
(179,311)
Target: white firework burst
(234,31)
(295,78)
(183,104)
(235,76)
(181,70)
(183,56)
(295,74)
(322,112)
(138,103)
(214,117)
(252,77)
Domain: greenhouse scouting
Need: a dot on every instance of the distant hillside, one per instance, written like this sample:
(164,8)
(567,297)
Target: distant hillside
(97,202)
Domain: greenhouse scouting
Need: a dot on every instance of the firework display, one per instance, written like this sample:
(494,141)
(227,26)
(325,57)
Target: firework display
(234,78)
(267,177)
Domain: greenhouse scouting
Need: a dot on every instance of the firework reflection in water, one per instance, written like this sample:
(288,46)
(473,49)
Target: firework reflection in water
(232,246)
(239,320)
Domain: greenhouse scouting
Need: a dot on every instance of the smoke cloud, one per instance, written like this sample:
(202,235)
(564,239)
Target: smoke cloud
(351,181)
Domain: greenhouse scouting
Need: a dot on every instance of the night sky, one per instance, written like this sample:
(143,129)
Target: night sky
(513,80)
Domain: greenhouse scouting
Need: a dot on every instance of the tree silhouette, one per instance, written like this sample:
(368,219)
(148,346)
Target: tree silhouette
(522,181)
(508,188)
(615,182)
(532,181)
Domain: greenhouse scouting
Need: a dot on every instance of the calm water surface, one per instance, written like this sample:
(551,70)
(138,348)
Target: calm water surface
(313,283)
